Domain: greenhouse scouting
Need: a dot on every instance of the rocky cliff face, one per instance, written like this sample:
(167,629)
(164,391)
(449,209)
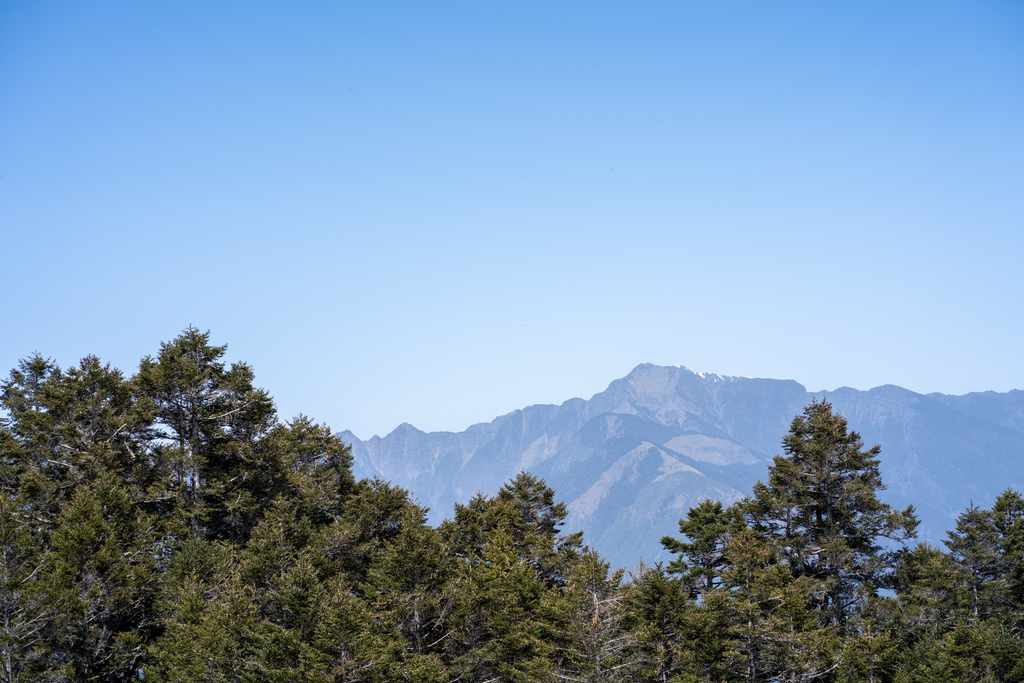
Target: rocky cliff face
(632,460)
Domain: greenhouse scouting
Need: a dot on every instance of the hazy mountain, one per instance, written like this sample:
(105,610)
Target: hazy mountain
(633,459)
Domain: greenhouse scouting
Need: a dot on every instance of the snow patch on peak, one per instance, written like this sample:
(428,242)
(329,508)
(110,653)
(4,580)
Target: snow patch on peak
(712,376)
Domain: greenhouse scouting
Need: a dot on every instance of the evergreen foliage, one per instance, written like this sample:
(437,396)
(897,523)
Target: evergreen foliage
(168,527)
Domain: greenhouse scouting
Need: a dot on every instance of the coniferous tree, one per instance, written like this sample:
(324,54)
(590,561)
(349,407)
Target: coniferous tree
(103,552)
(1008,518)
(510,559)
(23,396)
(373,515)
(101,425)
(594,641)
(168,528)
(708,528)
(660,612)
(75,448)
(33,490)
(309,464)
(980,652)
(772,629)
(213,417)
(974,548)
(411,584)
(209,624)
(534,522)
(525,508)
(930,592)
(821,511)
(32,604)
(63,429)
(502,631)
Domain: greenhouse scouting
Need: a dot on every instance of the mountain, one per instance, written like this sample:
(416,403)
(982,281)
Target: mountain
(631,461)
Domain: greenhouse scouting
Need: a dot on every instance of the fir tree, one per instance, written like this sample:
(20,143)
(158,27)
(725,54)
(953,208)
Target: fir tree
(708,528)
(975,550)
(213,417)
(820,510)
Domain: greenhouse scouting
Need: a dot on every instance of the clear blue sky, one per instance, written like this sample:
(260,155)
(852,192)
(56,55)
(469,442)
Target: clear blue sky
(439,212)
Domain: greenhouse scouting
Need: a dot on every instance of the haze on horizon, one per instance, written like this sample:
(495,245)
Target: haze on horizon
(436,214)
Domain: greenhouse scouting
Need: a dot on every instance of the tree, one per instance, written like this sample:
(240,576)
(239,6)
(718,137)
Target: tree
(209,624)
(374,515)
(304,461)
(820,510)
(410,592)
(212,417)
(75,450)
(929,589)
(22,395)
(502,629)
(665,620)
(103,552)
(975,550)
(595,643)
(64,429)
(771,630)
(525,508)
(979,652)
(510,561)
(100,424)
(31,604)
(702,559)
(1008,518)
(411,578)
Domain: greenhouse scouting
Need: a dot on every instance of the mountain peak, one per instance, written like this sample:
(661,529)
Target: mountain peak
(404,429)
(648,368)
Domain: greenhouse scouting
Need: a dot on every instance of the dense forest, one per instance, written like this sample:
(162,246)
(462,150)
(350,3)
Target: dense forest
(169,527)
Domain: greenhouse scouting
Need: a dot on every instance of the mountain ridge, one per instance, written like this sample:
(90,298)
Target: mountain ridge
(630,461)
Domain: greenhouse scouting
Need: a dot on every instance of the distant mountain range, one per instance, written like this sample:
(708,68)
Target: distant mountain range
(631,461)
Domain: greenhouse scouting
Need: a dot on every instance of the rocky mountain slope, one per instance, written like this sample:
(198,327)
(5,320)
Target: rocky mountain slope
(633,459)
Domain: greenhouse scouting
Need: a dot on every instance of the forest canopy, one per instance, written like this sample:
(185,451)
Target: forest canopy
(168,526)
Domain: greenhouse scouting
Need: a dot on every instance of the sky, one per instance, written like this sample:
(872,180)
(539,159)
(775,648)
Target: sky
(438,213)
